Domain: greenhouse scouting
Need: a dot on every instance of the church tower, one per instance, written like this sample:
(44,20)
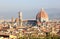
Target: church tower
(20,18)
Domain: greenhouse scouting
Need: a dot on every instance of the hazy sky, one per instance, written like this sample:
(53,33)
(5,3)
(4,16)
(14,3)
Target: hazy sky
(29,8)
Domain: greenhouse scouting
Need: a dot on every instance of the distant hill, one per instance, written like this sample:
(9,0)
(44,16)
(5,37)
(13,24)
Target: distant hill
(53,13)
(31,13)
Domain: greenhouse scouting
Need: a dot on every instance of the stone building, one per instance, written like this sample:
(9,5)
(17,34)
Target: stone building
(41,17)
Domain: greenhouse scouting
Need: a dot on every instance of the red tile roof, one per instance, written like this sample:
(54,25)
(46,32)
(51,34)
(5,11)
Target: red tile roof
(42,14)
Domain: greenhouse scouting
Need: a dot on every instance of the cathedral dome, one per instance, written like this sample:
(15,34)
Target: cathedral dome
(42,15)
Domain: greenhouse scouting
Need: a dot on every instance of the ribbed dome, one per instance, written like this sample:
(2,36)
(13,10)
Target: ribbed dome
(42,16)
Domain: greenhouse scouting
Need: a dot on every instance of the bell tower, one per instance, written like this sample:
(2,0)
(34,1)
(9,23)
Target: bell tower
(20,18)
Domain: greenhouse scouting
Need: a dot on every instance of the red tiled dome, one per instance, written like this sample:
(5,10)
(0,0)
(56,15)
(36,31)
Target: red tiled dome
(42,14)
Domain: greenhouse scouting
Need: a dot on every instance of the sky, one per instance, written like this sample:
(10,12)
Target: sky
(29,8)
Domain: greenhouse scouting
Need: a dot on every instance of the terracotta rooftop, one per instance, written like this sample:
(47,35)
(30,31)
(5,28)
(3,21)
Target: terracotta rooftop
(42,14)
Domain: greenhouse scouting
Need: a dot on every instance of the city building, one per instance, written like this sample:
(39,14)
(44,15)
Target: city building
(41,17)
